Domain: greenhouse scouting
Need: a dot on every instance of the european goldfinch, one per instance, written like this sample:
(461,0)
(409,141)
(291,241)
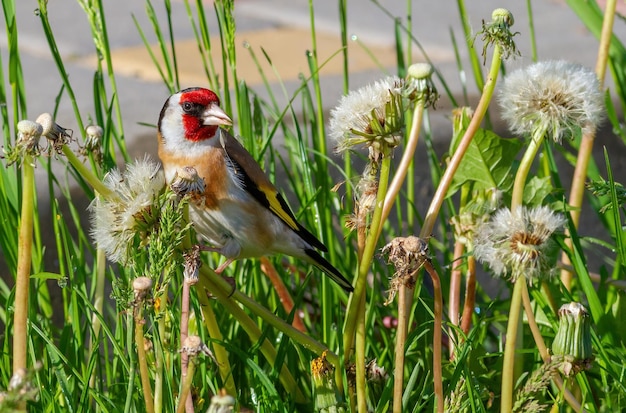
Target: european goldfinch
(241,214)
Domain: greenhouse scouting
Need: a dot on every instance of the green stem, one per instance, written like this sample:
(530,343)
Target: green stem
(472,128)
(437,335)
(218,287)
(143,365)
(585,150)
(221,355)
(543,349)
(98,303)
(361,341)
(131,362)
(508,365)
(407,160)
(184,330)
(401,333)
(508,369)
(534,144)
(185,393)
(86,173)
(210,322)
(159,361)
(22,277)
(354,307)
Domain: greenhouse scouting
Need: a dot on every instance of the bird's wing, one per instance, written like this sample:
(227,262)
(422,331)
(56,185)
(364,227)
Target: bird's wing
(254,181)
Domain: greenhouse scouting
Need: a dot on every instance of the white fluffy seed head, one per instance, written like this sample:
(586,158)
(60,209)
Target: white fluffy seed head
(115,219)
(519,243)
(552,98)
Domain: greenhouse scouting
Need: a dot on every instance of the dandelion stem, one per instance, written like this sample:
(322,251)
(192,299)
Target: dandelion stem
(446,180)
(543,349)
(534,143)
(470,295)
(508,374)
(158,351)
(454,297)
(210,322)
(185,393)
(508,368)
(366,260)
(437,335)
(143,366)
(22,278)
(401,333)
(585,150)
(221,355)
(98,303)
(218,287)
(407,159)
(184,329)
(283,293)
(87,175)
(361,340)
(472,128)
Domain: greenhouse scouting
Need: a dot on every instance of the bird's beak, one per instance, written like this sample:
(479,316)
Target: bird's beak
(214,115)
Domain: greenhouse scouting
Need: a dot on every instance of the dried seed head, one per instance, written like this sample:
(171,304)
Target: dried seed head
(187,182)
(407,255)
(192,265)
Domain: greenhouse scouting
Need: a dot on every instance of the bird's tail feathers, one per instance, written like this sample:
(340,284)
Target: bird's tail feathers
(323,264)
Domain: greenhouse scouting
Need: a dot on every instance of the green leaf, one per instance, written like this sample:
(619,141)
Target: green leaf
(44,275)
(536,190)
(488,162)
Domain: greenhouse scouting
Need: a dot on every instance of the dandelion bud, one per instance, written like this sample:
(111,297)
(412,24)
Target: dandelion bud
(502,16)
(28,135)
(323,373)
(56,134)
(572,343)
(193,346)
(93,142)
(142,287)
(498,32)
(420,86)
(222,403)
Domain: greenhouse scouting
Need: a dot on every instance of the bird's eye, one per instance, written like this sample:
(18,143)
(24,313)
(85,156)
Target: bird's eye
(187,107)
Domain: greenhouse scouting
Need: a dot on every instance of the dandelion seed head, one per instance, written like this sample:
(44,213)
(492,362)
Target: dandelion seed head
(556,98)
(116,220)
(519,243)
(363,114)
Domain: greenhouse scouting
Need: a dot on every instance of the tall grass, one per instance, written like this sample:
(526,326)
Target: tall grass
(79,339)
